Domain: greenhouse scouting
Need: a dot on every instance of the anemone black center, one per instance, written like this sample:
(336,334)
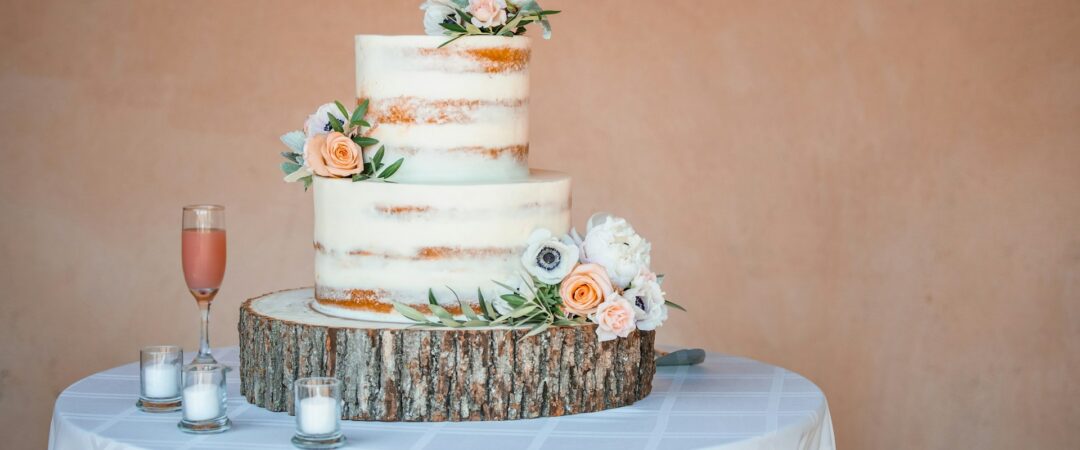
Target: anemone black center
(548,258)
(327,128)
(640,302)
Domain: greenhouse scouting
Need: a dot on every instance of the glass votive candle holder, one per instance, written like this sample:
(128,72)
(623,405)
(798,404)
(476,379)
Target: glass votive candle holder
(204,399)
(317,402)
(159,378)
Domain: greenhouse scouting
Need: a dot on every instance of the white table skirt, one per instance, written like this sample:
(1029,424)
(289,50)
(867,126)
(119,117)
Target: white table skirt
(726,403)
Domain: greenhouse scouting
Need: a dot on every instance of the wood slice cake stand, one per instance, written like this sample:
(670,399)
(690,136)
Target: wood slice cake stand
(394,372)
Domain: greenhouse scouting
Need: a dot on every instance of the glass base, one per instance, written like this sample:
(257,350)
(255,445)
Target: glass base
(204,359)
(205,426)
(335,440)
(158,405)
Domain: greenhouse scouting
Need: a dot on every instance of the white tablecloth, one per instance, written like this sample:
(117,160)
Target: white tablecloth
(726,403)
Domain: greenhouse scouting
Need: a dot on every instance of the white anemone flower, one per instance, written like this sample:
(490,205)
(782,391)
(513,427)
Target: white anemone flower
(549,258)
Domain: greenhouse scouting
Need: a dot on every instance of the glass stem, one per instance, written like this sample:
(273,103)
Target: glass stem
(204,332)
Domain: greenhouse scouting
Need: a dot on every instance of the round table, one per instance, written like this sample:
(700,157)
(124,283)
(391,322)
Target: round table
(727,402)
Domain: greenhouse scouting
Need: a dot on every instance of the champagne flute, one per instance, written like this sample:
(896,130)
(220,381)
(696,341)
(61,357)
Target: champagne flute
(203,253)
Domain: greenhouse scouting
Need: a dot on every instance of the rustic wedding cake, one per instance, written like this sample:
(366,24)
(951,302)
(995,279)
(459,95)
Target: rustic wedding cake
(426,213)
(464,202)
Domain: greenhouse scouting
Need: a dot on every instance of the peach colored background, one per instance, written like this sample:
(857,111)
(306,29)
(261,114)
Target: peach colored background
(883,196)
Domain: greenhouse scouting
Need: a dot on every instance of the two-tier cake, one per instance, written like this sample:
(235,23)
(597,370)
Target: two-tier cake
(464,201)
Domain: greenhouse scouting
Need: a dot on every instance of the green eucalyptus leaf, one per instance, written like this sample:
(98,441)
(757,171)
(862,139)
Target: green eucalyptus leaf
(675,305)
(377,160)
(335,124)
(532,318)
(340,107)
(523,310)
(410,312)
(450,322)
(507,29)
(453,27)
(295,141)
(441,312)
(360,177)
(476,323)
(514,300)
(289,167)
(389,171)
(364,141)
(369,170)
(465,309)
(431,297)
(456,37)
(540,328)
(517,313)
(532,8)
(307,182)
(489,312)
(359,113)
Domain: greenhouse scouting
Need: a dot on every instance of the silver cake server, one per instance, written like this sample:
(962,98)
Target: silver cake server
(684,357)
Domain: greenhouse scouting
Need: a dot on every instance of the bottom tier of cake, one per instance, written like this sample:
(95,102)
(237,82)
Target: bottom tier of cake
(382,242)
(393,372)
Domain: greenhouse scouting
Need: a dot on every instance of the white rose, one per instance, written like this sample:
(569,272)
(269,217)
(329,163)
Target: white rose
(435,13)
(319,123)
(521,284)
(549,258)
(645,295)
(611,242)
(488,13)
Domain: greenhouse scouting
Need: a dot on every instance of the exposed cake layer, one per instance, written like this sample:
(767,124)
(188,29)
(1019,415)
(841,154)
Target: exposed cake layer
(457,113)
(376,242)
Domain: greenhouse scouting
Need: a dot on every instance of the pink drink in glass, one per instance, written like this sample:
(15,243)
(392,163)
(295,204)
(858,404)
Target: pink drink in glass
(204,260)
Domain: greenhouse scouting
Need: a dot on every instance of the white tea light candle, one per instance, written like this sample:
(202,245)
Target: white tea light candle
(159,378)
(317,402)
(202,402)
(318,415)
(204,399)
(161,381)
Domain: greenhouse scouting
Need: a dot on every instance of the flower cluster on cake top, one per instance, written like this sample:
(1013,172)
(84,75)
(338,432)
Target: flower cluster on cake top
(604,278)
(331,145)
(459,18)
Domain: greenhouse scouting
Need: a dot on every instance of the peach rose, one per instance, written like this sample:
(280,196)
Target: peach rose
(333,155)
(614,318)
(584,289)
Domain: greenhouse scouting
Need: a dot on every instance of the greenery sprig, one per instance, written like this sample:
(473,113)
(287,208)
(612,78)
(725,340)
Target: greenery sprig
(374,168)
(541,311)
(519,15)
(353,128)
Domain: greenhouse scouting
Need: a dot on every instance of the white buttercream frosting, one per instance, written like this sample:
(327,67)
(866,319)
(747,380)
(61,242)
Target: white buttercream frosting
(429,103)
(402,239)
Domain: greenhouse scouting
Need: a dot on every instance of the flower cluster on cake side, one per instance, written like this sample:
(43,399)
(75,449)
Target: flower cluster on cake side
(331,145)
(460,18)
(603,277)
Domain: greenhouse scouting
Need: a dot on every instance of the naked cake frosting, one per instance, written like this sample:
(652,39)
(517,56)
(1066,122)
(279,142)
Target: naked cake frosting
(426,209)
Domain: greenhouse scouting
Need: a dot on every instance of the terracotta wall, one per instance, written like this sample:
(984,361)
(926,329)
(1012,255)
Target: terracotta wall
(883,196)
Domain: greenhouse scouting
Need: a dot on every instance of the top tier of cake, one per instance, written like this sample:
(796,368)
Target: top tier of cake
(459,113)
